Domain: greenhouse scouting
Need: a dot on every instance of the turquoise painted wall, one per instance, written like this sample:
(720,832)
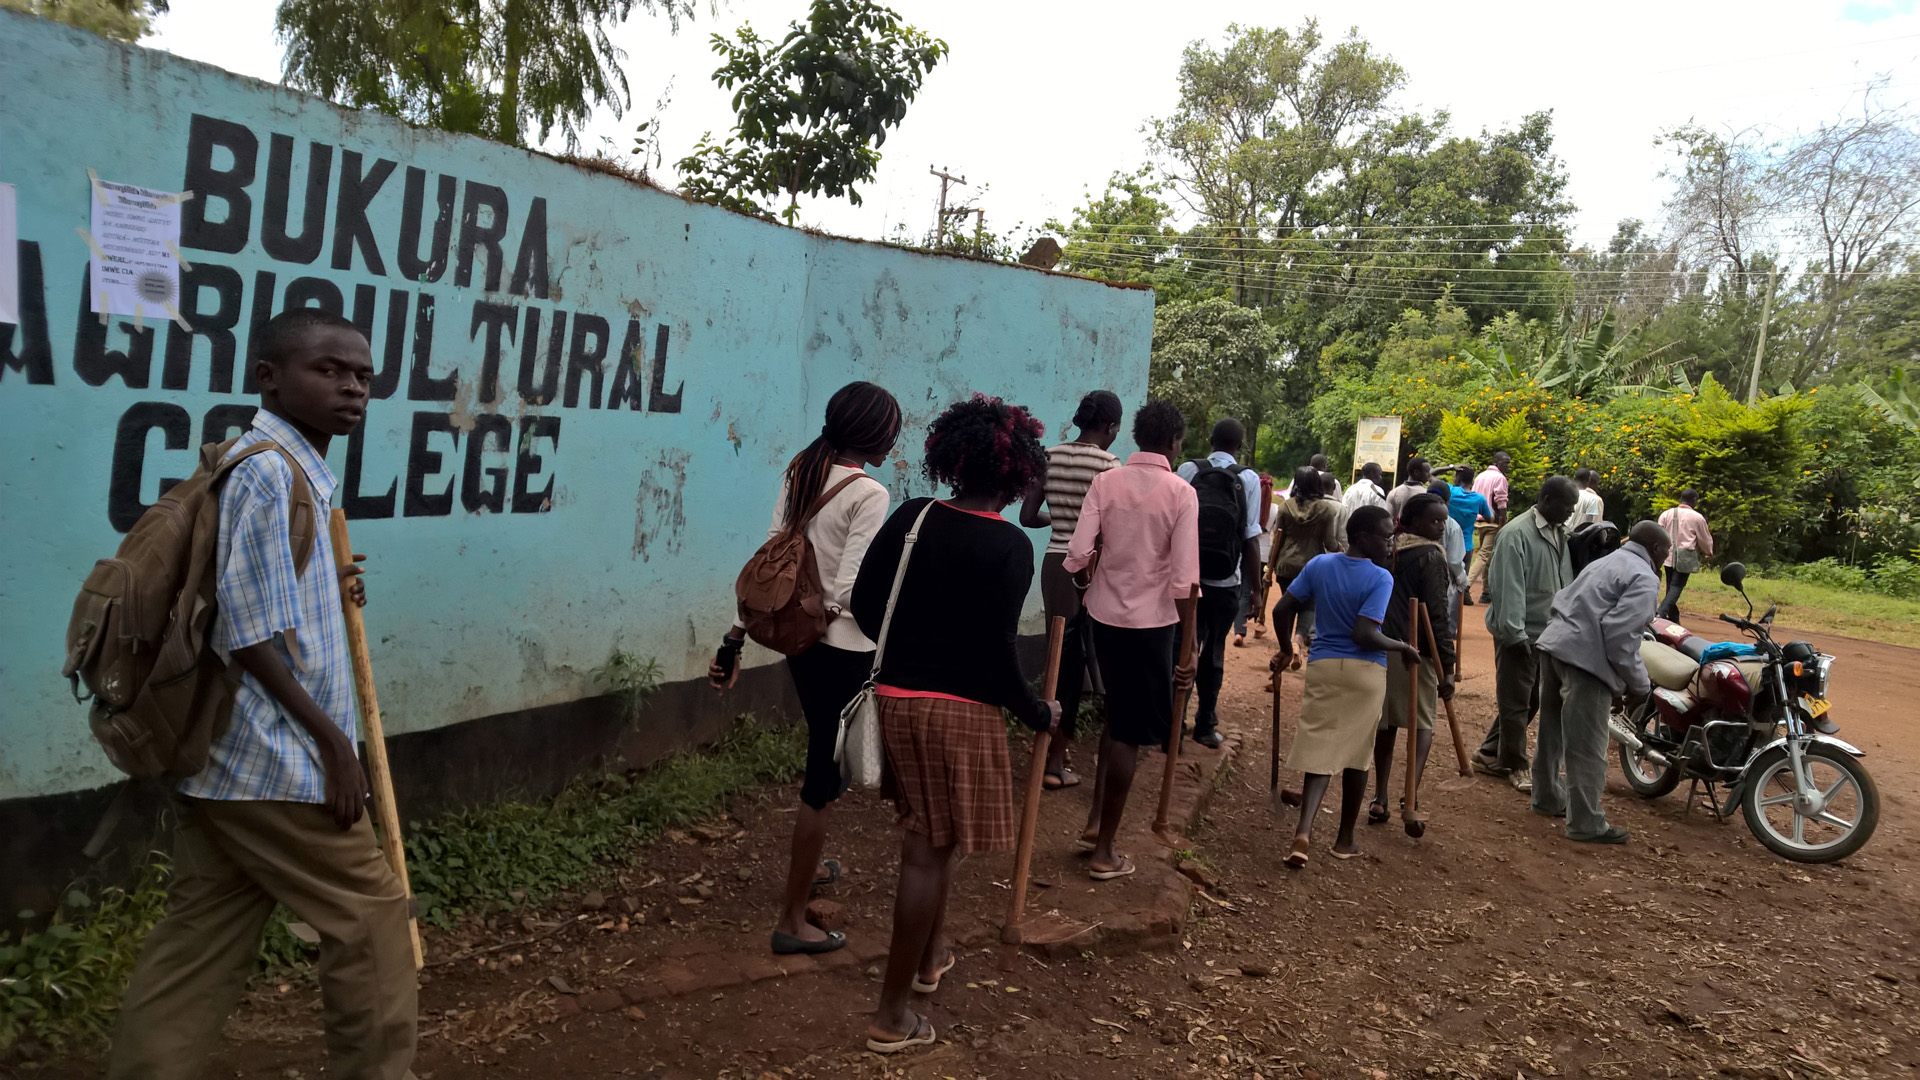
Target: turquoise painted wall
(521,526)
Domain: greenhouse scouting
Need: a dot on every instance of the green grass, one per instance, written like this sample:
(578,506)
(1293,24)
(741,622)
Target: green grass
(1805,606)
(59,987)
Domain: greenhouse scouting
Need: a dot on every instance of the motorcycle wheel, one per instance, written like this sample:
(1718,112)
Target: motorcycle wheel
(1848,813)
(1647,779)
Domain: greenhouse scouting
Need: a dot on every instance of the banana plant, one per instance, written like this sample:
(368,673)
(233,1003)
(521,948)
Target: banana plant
(1895,399)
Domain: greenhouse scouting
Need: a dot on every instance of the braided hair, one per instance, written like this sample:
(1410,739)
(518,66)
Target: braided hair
(983,446)
(863,420)
(1097,410)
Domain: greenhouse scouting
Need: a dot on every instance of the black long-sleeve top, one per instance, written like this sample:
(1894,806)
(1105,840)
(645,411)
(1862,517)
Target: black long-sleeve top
(955,623)
(1420,572)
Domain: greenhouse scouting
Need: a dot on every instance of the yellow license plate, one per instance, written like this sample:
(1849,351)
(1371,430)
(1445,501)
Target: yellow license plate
(1816,706)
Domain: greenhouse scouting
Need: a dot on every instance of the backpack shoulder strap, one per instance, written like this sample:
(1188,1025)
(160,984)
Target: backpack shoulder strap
(820,503)
(303,514)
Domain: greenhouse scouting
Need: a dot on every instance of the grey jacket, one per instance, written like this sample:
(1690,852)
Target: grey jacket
(1597,620)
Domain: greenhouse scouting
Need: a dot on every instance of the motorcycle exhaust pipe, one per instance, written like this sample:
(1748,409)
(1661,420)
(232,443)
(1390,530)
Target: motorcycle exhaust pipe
(1632,742)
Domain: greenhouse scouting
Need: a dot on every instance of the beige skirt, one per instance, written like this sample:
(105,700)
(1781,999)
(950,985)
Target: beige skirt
(1339,713)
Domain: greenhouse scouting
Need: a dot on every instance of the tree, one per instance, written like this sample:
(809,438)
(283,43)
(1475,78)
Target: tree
(1260,124)
(1126,234)
(1719,213)
(1213,358)
(494,68)
(812,110)
(121,20)
(1851,190)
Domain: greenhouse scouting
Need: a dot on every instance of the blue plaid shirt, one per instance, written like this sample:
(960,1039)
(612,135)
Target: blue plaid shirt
(265,754)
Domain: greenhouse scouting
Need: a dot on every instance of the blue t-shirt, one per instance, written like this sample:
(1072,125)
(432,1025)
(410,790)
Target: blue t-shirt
(1466,506)
(1342,589)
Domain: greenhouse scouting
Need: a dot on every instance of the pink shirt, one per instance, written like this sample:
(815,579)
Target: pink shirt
(1492,484)
(1688,527)
(1148,523)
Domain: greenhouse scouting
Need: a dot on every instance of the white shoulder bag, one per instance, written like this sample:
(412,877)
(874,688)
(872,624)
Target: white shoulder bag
(858,747)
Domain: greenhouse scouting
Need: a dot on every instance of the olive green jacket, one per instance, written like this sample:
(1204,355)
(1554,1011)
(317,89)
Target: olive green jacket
(1529,564)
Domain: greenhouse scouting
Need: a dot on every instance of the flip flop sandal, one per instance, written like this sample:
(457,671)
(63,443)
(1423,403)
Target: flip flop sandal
(921,986)
(833,874)
(1347,854)
(788,945)
(913,1039)
(1297,858)
(1084,846)
(1126,867)
(1377,813)
(1065,778)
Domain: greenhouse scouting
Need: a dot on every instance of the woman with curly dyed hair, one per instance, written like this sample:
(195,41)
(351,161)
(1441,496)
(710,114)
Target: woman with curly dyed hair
(947,668)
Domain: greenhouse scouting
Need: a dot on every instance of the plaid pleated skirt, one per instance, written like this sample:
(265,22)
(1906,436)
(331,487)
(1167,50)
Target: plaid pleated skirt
(952,778)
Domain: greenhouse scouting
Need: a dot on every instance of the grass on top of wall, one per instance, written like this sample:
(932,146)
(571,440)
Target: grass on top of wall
(60,987)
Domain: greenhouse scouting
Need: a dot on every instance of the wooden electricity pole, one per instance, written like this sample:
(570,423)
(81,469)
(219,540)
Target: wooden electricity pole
(1760,348)
(940,223)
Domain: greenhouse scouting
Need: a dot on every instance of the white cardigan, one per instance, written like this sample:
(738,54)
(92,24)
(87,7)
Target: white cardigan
(840,535)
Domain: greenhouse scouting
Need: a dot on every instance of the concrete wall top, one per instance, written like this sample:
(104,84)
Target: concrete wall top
(586,388)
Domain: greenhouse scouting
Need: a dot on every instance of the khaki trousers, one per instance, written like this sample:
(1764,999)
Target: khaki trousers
(231,862)
(1483,534)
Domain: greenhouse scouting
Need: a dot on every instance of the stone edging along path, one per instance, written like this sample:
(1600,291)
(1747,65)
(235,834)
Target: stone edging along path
(1148,911)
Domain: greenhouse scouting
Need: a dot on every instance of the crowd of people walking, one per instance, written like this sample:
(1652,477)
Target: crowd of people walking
(923,608)
(910,616)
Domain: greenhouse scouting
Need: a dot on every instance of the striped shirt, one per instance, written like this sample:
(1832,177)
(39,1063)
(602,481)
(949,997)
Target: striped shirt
(1071,467)
(265,754)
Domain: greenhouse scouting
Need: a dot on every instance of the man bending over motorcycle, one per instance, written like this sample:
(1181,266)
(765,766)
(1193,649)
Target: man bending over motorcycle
(1590,660)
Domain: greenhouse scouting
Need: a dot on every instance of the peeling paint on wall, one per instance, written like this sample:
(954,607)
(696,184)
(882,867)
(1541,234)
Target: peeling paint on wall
(661,520)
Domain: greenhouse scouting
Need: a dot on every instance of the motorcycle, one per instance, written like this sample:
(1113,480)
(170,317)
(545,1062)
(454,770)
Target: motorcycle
(1715,717)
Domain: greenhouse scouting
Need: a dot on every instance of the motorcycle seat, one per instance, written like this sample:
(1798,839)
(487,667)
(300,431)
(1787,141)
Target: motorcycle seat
(1667,667)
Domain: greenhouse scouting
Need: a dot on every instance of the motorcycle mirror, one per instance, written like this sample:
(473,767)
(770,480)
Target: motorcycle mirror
(1732,574)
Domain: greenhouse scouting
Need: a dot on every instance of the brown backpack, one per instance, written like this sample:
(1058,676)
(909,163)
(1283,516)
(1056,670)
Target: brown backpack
(140,629)
(781,602)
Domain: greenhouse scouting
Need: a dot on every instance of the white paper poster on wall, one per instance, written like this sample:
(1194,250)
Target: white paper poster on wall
(9,257)
(136,244)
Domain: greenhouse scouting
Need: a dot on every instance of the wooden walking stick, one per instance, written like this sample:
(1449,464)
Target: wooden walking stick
(1273,783)
(1161,830)
(1030,813)
(386,813)
(1453,722)
(1410,807)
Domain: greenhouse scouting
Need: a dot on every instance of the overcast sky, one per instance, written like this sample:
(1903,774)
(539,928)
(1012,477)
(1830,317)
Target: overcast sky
(1042,99)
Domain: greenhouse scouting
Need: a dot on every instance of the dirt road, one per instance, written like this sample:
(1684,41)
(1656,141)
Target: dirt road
(1492,947)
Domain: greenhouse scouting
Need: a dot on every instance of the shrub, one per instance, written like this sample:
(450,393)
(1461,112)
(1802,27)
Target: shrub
(1744,461)
(1465,440)
(1831,573)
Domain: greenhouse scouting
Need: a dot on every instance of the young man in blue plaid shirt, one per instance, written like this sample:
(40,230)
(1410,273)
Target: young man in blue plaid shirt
(278,814)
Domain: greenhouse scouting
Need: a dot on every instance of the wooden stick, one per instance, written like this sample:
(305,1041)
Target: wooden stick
(1273,783)
(386,812)
(1036,775)
(1453,722)
(1410,812)
(1179,717)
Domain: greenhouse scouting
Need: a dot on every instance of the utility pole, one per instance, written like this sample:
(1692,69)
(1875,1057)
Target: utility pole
(1760,347)
(940,220)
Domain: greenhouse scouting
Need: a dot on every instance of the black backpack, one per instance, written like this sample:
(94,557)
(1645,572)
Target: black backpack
(1223,518)
(1592,542)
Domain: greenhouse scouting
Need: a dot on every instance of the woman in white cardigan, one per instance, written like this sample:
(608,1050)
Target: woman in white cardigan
(863,421)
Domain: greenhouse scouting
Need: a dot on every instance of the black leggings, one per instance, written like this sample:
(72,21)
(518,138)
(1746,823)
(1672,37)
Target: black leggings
(826,679)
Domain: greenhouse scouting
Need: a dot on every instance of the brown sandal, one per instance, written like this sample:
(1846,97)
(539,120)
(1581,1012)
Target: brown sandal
(1297,858)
